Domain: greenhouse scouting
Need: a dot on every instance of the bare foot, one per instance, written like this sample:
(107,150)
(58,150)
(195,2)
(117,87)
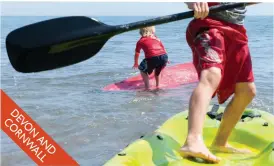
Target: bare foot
(229,149)
(199,150)
(147,89)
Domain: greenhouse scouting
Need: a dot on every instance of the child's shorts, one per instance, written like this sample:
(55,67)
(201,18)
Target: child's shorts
(149,64)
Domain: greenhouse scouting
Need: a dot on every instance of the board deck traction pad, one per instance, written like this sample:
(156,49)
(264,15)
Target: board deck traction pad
(263,157)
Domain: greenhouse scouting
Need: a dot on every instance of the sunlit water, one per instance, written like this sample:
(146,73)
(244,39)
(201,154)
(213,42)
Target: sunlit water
(93,125)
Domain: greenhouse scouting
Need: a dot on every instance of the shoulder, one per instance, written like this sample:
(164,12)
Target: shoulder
(141,39)
(156,38)
(140,42)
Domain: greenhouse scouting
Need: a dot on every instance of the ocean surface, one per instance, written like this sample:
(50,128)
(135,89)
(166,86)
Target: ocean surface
(93,125)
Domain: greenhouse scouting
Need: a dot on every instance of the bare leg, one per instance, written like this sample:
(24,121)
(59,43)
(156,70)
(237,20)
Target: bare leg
(244,93)
(194,145)
(158,71)
(157,78)
(145,79)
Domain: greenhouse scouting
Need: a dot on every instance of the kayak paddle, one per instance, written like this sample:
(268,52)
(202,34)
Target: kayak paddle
(64,41)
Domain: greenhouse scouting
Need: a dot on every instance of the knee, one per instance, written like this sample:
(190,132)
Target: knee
(211,77)
(252,92)
(245,91)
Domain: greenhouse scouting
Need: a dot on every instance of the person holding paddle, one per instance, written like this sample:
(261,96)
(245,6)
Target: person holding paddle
(156,56)
(221,56)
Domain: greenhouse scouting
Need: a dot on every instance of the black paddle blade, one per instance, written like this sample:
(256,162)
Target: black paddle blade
(56,43)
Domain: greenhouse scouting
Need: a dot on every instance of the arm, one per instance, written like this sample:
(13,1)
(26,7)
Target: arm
(164,49)
(137,54)
(136,58)
(163,46)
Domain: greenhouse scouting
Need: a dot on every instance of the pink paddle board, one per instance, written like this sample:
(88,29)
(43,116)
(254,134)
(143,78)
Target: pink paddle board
(171,77)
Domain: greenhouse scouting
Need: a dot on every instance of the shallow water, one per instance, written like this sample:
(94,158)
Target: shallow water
(93,125)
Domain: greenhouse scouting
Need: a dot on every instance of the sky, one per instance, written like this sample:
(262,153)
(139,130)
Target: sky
(108,8)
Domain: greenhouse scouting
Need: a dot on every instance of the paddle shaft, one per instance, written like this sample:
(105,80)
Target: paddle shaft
(173,17)
(66,41)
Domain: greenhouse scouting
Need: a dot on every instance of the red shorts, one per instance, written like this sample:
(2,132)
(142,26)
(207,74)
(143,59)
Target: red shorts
(223,45)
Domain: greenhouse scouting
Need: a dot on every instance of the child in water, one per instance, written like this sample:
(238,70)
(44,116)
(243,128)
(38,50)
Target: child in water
(156,56)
